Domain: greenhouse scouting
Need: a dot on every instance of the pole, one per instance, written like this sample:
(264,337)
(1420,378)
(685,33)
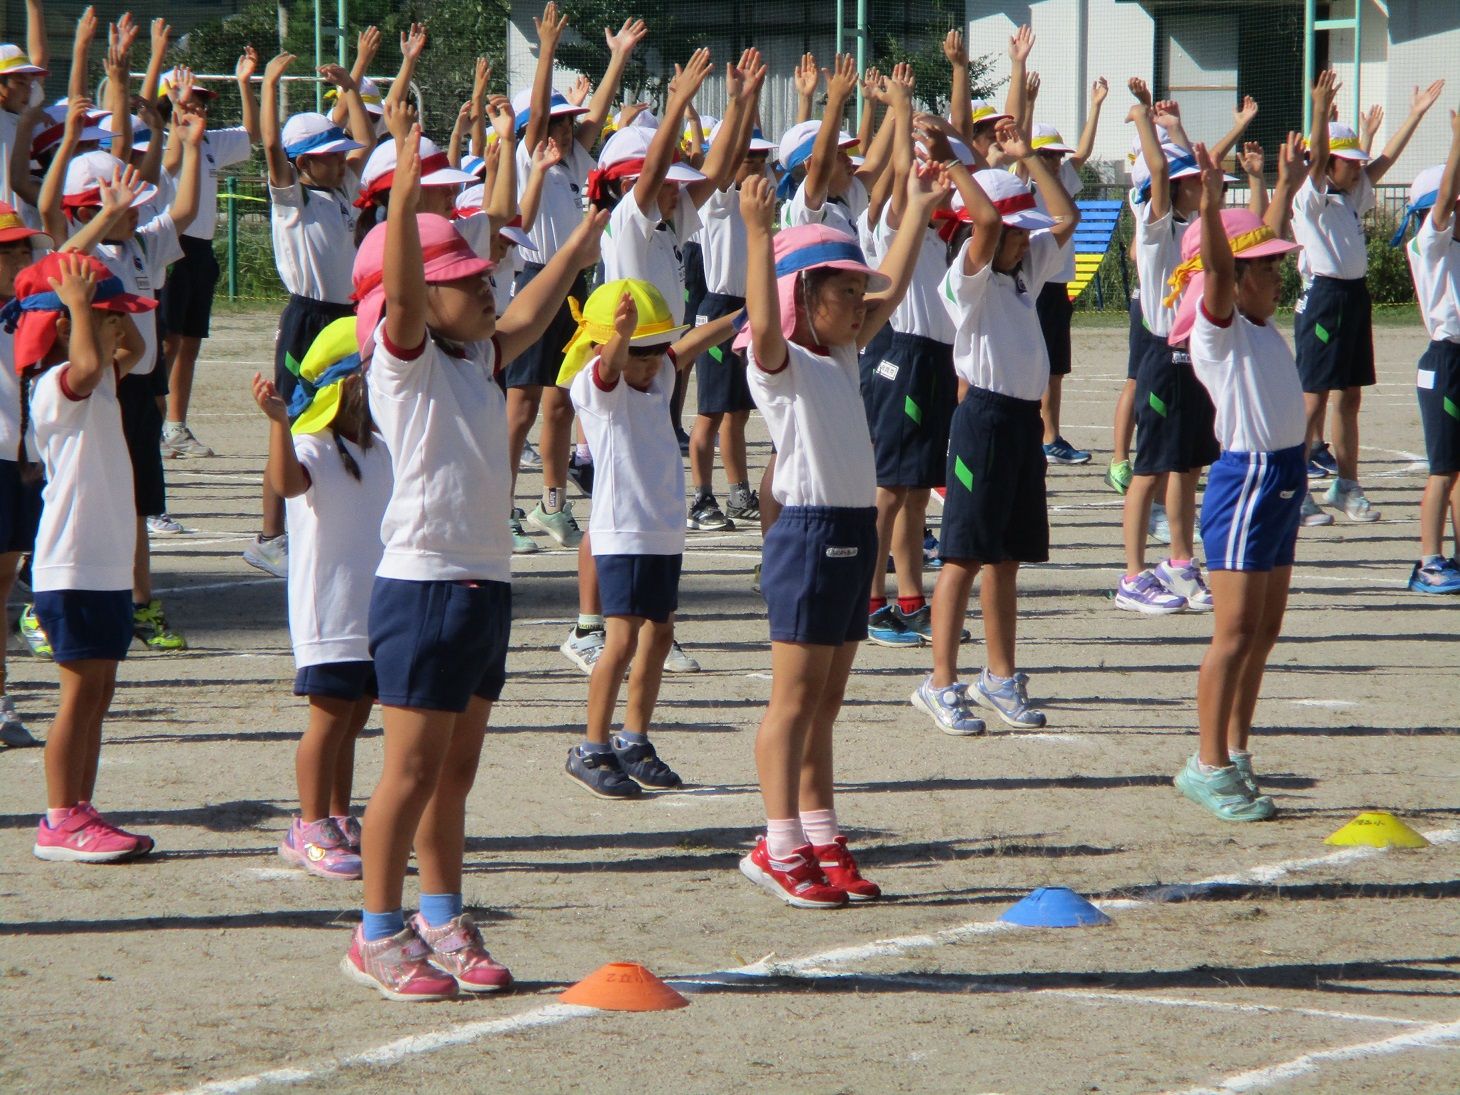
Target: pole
(841,21)
(230,188)
(1310,45)
(1358,60)
(318,59)
(342,17)
(861,59)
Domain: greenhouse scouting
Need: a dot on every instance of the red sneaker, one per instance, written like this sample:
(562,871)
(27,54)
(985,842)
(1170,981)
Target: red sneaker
(457,948)
(840,868)
(396,967)
(797,881)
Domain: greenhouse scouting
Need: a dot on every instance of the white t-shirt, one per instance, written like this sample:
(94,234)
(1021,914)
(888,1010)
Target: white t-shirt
(998,345)
(9,398)
(88,529)
(1158,254)
(834,212)
(638,477)
(314,239)
(221,148)
(444,420)
(1249,370)
(722,242)
(8,122)
(477,231)
(334,549)
(564,192)
(1434,265)
(1329,224)
(141,262)
(1073,184)
(640,245)
(921,311)
(813,410)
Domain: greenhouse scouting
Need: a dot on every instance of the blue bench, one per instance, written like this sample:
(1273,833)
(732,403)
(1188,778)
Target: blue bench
(1098,222)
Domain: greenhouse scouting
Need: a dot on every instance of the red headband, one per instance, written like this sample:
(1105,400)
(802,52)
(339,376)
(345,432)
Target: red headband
(1017,204)
(948,221)
(599,176)
(372,281)
(385,181)
(84,199)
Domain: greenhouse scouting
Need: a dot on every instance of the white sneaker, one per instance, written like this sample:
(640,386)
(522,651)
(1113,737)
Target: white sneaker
(178,440)
(1349,496)
(583,650)
(1158,527)
(271,556)
(164,524)
(1186,582)
(1313,514)
(531,459)
(677,661)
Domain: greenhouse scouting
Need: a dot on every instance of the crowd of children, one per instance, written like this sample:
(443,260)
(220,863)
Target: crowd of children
(899,317)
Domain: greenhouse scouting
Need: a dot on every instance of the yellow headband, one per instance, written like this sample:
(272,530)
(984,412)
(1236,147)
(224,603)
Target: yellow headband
(595,321)
(1040,142)
(1183,274)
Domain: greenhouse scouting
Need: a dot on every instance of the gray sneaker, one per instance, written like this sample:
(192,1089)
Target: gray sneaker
(1158,528)
(1010,700)
(677,661)
(1243,763)
(1348,496)
(948,707)
(705,516)
(600,773)
(522,544)
(271,555)
(583,650)
(178,440)
(13,734)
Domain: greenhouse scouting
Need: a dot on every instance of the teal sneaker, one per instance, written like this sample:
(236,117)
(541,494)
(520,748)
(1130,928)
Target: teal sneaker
(920,622)
(522,544)
(33,634)
(1158,527)
(1243,763)
(884,627)
(1222,792)
(560,525)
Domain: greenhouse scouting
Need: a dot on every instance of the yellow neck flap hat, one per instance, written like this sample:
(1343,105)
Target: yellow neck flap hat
(333,355)
(595,322)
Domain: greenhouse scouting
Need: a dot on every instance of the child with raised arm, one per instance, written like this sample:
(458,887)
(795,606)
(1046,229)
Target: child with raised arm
(995,516)
(1232,278)
(1333,328)
(811,302)
(333,472)
(440,609)
(625,356)
(73,338)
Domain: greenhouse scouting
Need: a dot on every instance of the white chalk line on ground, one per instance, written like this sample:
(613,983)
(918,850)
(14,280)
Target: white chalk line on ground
(400,1049)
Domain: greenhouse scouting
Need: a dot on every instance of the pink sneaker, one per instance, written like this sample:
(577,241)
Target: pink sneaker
(82,837)
(457,948)
(319,848)
(396,967)
(350,828)
(145,843)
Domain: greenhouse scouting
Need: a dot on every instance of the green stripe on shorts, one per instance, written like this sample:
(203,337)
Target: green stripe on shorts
(717,353)
(963,472)
(1157,404)
(1450,408)
(912,410)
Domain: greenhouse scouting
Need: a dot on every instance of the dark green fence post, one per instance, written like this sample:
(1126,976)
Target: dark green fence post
(231,190)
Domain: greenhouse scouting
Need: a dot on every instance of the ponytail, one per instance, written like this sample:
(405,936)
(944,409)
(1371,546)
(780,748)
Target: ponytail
(351,467)
(30,471)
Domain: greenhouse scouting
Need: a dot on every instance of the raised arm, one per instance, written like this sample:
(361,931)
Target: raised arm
(807,77)
(1016,101)
(1325,88)
(1251,160)
(1420,103)
(501,203)
(367,45)
(878,157)
(120,37)
(77,289)
(620,49)
(536,303)
(545,155)
(1443,213)
(161,38)
(742,88)
(1290,177)
(184,207)
(549,30)
(481,81)
(1057,200)
(871,82)
(412,42)
(840,84)
(86,27)
(271,129)
(458,134)
(243,72)
(698,340)
(1219,291)
(1155,158)
(762,302)
(361,126)
(48,204)
(283,472)
(1241,119)
(1083,151)
(926,187)
(403,276)
(1167,115)
(22,182)
(960,110)
(37,47)
(899,105)
(151,166)
(613,355)
(665,141)
(986,221)
(116,198)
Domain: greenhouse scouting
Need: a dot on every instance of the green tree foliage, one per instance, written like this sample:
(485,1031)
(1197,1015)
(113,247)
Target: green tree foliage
(900,30)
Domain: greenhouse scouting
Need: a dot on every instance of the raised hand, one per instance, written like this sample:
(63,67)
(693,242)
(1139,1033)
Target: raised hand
(629,35)
(578,93)
(400,119)
(587,239)
(1421,100)
(758,203)
(86,27)
(412,42)
(76,113)
(1021,44)
(335,74)
(626,318)
(550,27)
(841,81)
(1325,90)
(1370,121)
(689,77)
(276,67)
(117,196)
(481,77)
(1166,113)
(547,154)
(927,185)
(77,285)
(267,396)
(954,51)
(1290,158)
(182,84)
(367,45)
(405,188)
(1139,89)
(499,112)
(1244,114)
(1012,141)
(1212,179)
(1031,87)
(1251,159)
(933,137)
(1099,90)
(193,126)
(752,73)
(248,64)
(807,76)
(161,36)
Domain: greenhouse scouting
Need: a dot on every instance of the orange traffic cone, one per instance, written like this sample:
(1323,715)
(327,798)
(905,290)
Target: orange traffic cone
(623,986)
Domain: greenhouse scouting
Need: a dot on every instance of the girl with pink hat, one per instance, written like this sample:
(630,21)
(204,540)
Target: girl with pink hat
(440,610)
(811,303)
(994,515)
(1230,280)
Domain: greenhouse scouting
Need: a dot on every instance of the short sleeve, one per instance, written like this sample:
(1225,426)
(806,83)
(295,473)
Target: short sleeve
(1363,194)
(389,372)
(1070,179)
(291,196)
(589,396)
(1211,343)
(686,219)
(161,246)
(1430,243)
(1046,259)
(477,231)
(628,221)
(961,291)
(1309,199)
(1149,229)
(230,146)
(776,387)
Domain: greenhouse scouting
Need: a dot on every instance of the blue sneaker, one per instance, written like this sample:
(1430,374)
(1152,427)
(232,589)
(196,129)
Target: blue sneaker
(641,763)
(1321,464)
(600,773)
(1060,451)
(1435,577)
(884,627)
(931,559)
(949,708)
(1009,700)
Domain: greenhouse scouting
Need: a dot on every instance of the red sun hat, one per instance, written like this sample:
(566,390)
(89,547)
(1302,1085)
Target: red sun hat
(12,228)
(33,312)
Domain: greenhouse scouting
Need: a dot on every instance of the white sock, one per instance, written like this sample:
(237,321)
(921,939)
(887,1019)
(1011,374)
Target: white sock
(820,827)
(783,837)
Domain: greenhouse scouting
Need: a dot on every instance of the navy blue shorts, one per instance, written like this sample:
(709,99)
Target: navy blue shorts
(299,325)
(85,624)
(816,574)
(872,355)
(692,269)
(1175,418)
(1333,335)
(1251,509)
(909,397)
(720,385)
(995,509)
(20,506)
(1439,406)
(1140,338)
(141,427)
(337,680)
(639,585)
(538,365)
(186,301)
(438,644)
(1056,314)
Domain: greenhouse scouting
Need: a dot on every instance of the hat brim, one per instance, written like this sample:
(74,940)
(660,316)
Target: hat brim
(659,337)
(519,237)
(1269,247)
(130,303)
(446,176)
(569,111)
(991,118)
(320,412)
(1029,219)
(198,90)
(40,239)
(760,145)
(1188,172)
(25,70)
(683,173)
(1357,155)
(456,268)
(877,281)
(342,144)
(1055,146)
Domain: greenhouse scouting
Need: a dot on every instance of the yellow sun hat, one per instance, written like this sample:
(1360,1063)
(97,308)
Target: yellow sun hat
(595,322)
(333,355)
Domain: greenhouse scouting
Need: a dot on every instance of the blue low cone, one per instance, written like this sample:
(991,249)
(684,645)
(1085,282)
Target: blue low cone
(1054,907)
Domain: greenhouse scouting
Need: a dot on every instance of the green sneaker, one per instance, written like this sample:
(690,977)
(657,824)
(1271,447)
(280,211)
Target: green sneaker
(1223,792)
(1118,476)
(522,544)
(1243,763)
(560,526)
(33,634)
(150,625)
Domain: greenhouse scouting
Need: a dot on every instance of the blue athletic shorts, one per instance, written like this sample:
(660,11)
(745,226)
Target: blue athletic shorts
(337,680)
(816,574)
(1438,389)
(639,585)
(84,624)
(1251,509)
(438,644)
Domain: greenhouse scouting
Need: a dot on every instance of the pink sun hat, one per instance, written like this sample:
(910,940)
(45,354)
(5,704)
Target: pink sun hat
(448,257)
(812,247)
(1250,239)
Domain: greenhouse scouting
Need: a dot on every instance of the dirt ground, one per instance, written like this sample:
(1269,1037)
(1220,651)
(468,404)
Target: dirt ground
(1302,968)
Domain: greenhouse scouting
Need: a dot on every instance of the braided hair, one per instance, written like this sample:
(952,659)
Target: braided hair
(356,408)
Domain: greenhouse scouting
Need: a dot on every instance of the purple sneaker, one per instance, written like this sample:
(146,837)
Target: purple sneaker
(319,848)
(1145,593)
(457,948)
(349,828)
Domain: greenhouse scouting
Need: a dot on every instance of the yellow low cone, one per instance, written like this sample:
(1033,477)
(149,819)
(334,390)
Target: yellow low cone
(1378,829)
(623,986)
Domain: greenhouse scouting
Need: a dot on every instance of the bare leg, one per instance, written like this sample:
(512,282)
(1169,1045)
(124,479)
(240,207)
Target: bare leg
(950,606)
(647,673)
(889,502)
(182,351)
(344,781)
(70,767)
(620,633)
(999,599)
(556,439)
(907,542)
(589,603)
(141,566)
(702,451)
(1125,422)
(1249,684)
(1433,507)
(1346,433)
(799,674)
(1135,518)
(1049,407)
(732,447)
(1238,597)
(1315,405)
(441,834)
(816,786)
(316,760)
(1181,512)
(522,405)
(9,564)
